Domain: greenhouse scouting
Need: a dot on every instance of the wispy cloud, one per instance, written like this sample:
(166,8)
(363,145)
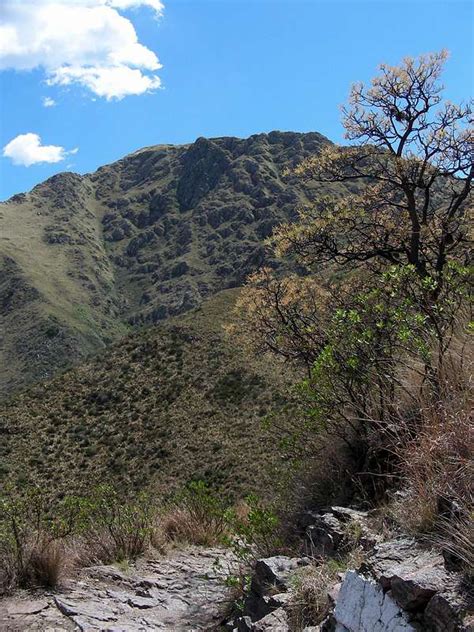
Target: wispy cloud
(48,102)
(27,150)
(80,42)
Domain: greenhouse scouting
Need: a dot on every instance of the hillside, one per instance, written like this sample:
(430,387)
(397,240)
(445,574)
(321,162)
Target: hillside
(175,402)
(85,258)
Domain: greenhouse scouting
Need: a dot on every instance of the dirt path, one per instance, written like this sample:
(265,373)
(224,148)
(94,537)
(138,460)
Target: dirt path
(182,591)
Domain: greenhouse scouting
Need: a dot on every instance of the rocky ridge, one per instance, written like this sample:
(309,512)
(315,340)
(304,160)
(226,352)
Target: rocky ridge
(153,235)
(400,587)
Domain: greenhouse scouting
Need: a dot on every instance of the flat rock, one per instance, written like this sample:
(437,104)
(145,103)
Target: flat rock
(27,607)
(181,592)
(276,621)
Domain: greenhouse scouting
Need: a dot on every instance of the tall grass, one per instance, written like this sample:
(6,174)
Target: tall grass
(436,463)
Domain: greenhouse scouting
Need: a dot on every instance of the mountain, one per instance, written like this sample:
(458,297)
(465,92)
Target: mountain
(177,401)
(86,258)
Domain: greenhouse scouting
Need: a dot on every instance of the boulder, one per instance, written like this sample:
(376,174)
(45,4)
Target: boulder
(327,531)
(414,575)
(270,584)
(401,587)
(444,613)
(325,534)
(363,606)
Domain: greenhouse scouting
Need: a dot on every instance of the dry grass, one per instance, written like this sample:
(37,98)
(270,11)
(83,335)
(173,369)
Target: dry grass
(183,526)
(47,565)
(437,465)
(41,564)
(103,547)
(456,537)
(310,598)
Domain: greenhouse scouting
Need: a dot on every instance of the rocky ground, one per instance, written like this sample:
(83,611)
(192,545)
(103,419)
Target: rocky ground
(399,587)
(183,591)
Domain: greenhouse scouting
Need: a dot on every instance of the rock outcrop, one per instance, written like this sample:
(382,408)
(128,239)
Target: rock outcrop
(363,606)
(184,591)
(400,587)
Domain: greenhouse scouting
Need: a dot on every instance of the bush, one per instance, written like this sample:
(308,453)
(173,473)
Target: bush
(255,529)
(196,516)
(40,539)
(32,539)
(118,530)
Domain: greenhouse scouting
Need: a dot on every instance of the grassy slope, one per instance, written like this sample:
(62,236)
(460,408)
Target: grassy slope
(57,282)
(164,406)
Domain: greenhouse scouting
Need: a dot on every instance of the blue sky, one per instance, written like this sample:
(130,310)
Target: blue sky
(229,67)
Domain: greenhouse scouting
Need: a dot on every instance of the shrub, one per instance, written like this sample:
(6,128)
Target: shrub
(32,539)
(255,529)
(118,530)
(196,516)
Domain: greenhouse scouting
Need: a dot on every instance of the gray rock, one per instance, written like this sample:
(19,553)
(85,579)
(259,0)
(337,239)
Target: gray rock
(275,572)
(363,606)
(327,531)
(270,582)
(244,624)
(445,613)
(33,606)
(347,513)
(276,621)
(412,574)
(184,591)
(333,593)
(281,600)
(325,534)
(141,602)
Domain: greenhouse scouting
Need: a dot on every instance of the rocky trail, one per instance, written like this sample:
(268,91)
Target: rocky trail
(400,586)
(183,591)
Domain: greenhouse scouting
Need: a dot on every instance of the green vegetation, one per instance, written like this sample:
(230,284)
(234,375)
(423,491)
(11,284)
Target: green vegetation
(41,539)
(162,407)
(365,296)
(381,326)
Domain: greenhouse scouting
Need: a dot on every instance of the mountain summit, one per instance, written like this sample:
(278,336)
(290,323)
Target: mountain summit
(84,258)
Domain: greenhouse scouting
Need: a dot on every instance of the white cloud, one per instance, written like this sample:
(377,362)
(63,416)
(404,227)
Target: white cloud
(157,5)
(27,150)
(48,102)
(84,42)
(117,81)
